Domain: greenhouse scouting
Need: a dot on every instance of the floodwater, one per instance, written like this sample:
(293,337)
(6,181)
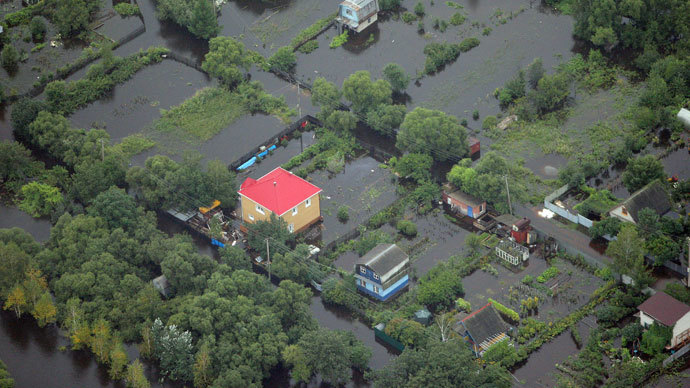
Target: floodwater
(11,217)
(278,157)
(540,370)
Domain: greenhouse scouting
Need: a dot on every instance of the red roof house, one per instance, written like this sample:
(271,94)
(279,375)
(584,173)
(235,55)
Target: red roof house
(667,311)
(284,194)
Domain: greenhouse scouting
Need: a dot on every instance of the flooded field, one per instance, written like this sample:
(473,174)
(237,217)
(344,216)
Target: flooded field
(12,217)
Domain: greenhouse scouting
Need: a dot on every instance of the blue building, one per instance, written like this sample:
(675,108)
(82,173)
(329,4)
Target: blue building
(357,15)
(383,271)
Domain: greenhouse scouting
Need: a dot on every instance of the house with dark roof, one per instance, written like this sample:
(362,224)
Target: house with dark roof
(284,194)
(667,311)
(462,202)
(653,196)
(382,272)
(482,329)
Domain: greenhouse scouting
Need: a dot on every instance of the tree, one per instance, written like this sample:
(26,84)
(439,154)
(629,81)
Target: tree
(24,112)
(535,72)
(440,364)
(173,348)
(284,59)
(641,171)
(662,247)
(389,5)
(118,362)
(326,95)
(385,118)
(419,9)
(502,353)
(551,93)
(9,58)
(364,93)
(16,301)
(330,354)
(655,339)
(116,208)
(202,367)
(513,89)
(439,287)
(221,184)
(293,356)
(225,58)
(434,133)
(608,225)
(627,252)
(396,77)
(44,310)
(341,121)
(71,16)
(275,229)
(16,163)
(203,22)
(92,178)
(135,377)
(101,338)
(38,28)
(474,243)
(40,199)
(414,166)
(235,257)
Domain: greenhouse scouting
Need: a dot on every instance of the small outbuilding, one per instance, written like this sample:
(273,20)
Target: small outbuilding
(462,202)
(684,117)
(653,196)
(667,311)
(482,329)
(383,271)
(512,252)
(357,15)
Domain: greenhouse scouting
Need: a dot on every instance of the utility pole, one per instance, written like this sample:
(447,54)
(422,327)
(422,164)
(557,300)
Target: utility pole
(268,260)
(299,100)
(510,207)
(102,151)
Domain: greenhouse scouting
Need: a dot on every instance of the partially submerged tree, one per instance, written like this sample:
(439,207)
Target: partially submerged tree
(434,133)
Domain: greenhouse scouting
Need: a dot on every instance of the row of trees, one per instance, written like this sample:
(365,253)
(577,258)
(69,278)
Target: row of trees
(197,16)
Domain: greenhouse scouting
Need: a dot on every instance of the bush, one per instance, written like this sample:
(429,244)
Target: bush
(439,288)
(457,19)
(530,328)
(630,333)
(489,122)
(409,333)
(10,57)
(475,114)
(126,9)
(438,55)
(655,339)
(339,40)
(419,9)
(548,273)
(502,353)
(308,47)
(507,313)
(343,214)
(284,59)
(468,44)
(528,279)
(462,304)
(389,5)
(38,28)
(408,17)
(408,228)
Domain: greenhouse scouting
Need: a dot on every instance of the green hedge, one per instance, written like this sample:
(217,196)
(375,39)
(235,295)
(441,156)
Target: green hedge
(24,15)
(311,31)
(505,311)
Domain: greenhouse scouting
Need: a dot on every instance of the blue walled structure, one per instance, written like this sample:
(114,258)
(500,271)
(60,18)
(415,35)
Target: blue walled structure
(383,272)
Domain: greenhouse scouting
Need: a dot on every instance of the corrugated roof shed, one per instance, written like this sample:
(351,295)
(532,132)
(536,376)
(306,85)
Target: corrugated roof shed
(383,259)
(484,324)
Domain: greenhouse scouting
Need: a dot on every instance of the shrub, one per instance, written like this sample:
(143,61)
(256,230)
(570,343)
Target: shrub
(439,288)
(462,304)
(507,313)
(409,333)
(528,279)
(530,328)
(489,122)
(655,339)
(126,9)
(630,333)
(475,115)
(10,57)
(438,55)
(420,27)
(408,17)
(419,9)
(408,228)
(339,40)
(389,5)
(502,353)
(40,199)
(548,273)
(284,59)
(308,47)
(468,44)
(37,28)
(457,19)
(343,214)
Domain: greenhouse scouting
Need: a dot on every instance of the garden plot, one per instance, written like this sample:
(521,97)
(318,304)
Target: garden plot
(362,187)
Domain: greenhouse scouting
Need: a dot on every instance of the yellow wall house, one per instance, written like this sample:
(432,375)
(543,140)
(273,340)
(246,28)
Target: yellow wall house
(283,193)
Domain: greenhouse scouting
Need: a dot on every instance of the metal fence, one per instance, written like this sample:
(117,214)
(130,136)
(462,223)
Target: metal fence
(563,212)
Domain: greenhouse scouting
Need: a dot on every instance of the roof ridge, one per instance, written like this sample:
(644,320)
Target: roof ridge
(380,254)
(475,312)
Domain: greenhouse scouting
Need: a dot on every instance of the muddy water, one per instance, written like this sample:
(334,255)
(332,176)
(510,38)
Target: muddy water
(11,217)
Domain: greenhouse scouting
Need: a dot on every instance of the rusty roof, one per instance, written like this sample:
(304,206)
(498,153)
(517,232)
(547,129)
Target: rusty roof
(664,308)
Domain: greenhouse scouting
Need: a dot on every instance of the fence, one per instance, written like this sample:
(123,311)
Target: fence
(680,353)
(563,212)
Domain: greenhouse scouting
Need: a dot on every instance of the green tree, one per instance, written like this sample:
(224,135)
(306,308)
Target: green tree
(38,28)
(663,248)
(326,95)
(173,348)
(118,361)
(284,59)
(396,77)
(474,243)
(40,199)
(389,5)
(385,118)
(502,353)
(655,339)
(439,287)
(16,163)
(440,364)
(135,377)
(434,133)
(235,257)
(294,356)
(202,367)
(414,166)
(419,9)
(608,225)
(92,178)
(71,16)
(641,171)
(116,208)
(627,252)
(203,22)
(24,112)
(9,58)
(221,184)
(551,93)
(341,121)
(331,354)
(535,72)
(225,58)
(275,229)
(364,93)
(513,89)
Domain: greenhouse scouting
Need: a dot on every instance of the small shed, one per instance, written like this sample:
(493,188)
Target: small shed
(462,202)
(475,145)
(512,252)
(383,271)
(422,316)
(652,196)
(520,230)
(357,15)
(482,329)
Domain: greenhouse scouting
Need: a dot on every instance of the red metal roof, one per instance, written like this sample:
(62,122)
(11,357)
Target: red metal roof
(664,308)
(278,191)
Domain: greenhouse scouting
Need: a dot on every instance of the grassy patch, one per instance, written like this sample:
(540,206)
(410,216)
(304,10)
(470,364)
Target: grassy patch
(204,115)
(133,145)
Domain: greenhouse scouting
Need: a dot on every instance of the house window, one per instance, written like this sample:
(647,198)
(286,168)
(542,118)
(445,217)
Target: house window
(481,208)
(307,203)
(294,211)
(363,283)
(260,209)
(363,270)
(376,277)
(348,12)
(251,217)
(291,228)
(376,289)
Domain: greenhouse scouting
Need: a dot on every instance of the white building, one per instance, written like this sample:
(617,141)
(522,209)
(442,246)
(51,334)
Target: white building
(667,311)
(357,15)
